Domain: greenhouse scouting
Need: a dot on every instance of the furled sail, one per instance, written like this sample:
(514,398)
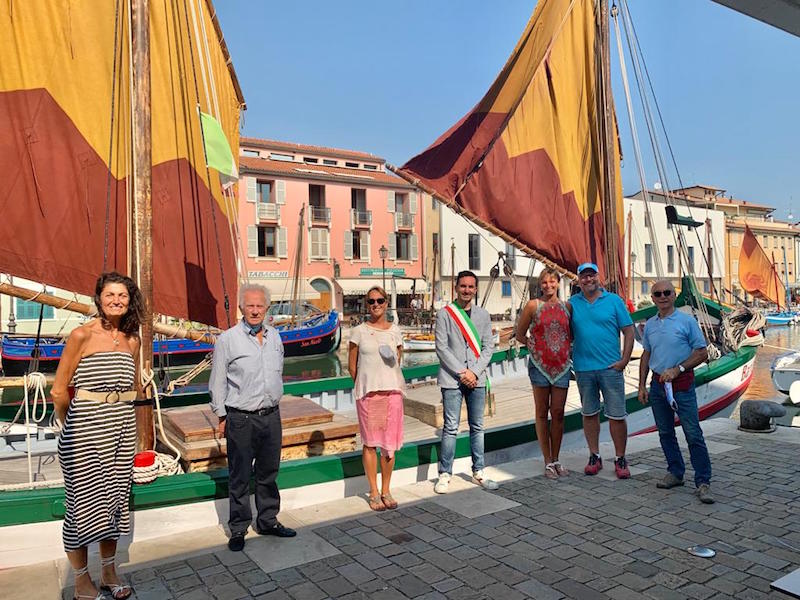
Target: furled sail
(757,273)
(65,143)
(527,159)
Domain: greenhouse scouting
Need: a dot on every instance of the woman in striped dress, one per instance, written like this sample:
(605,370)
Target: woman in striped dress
(98,436)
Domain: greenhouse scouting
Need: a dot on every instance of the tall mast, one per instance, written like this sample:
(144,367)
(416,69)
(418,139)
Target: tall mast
(607,140)
(142,218)
(298,259)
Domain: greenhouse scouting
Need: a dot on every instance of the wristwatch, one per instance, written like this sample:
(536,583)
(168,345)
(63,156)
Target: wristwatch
(681,368)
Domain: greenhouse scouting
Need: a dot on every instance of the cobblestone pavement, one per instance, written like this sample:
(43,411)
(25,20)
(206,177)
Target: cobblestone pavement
(579,537)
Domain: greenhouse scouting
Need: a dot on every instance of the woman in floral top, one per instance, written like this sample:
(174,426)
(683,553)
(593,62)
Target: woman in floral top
(544,327)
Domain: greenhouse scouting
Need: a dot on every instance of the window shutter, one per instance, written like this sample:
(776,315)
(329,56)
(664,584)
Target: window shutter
(280,192)
(412,202)
(252,240)
(251,189)
(324,233)
(348,244)
(364,239)
(412,243)
(392,246)
(283,250)
(390,200)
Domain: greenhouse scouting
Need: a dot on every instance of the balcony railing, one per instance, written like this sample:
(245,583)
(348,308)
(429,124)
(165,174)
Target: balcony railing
(320,214)
(403,220)
(268,211)
(360,218)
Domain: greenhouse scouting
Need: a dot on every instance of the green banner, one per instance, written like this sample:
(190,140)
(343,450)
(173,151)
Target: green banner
(378,272)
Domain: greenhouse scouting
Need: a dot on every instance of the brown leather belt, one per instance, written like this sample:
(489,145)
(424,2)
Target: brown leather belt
(108,397)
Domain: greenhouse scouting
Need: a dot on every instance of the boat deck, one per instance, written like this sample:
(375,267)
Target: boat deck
(513,399)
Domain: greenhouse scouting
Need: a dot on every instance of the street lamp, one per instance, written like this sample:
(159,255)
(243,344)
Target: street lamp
(383,252)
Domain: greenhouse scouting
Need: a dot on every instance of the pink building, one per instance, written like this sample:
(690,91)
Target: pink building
(353,209)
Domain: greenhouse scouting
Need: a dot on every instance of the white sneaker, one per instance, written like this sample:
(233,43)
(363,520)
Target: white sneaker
(442,483)
(487,484)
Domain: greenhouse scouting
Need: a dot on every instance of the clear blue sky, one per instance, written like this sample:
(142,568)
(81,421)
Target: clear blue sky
(389,77)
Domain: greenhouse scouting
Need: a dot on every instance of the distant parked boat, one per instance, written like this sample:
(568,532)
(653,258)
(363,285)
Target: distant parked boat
(782,318)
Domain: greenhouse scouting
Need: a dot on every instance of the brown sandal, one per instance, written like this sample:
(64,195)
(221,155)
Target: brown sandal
(388,501)
(375,503)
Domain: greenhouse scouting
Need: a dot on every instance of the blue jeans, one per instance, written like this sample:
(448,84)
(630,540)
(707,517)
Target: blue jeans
(451,400)
(690,421)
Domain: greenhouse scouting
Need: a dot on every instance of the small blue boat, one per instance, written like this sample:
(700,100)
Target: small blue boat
(782,318)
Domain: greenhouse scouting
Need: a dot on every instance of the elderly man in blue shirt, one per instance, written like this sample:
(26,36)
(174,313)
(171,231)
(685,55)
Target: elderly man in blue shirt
(246,386)
(673,347)
(598,317)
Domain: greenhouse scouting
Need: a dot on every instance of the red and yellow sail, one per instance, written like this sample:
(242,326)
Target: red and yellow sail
(757,273)
(527,159)
(65,98)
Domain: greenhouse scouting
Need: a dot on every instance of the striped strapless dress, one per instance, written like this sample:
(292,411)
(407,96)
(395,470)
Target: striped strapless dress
(95,450)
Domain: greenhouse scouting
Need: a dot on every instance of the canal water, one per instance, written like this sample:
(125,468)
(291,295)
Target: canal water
(778,340)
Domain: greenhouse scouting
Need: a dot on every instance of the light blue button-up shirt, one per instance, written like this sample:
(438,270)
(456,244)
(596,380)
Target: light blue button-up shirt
(245,374)
(671,340)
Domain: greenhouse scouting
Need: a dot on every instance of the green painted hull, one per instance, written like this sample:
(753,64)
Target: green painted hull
(33,506)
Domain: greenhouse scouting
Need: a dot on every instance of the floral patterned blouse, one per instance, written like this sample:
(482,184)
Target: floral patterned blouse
(550,341)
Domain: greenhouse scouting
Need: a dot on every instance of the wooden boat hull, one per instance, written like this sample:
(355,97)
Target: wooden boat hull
(718,386)
(318,337)
(16,353)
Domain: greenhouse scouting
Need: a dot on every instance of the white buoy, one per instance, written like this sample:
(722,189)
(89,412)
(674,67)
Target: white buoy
(794,392)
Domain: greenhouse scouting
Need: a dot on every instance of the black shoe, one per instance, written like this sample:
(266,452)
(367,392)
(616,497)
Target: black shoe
(236,543)
(277,530)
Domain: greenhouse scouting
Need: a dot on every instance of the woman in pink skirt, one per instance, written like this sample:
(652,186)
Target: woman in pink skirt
(376,348)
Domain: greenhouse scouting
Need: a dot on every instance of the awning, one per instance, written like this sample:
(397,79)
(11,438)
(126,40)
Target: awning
(281,289)
(353,287)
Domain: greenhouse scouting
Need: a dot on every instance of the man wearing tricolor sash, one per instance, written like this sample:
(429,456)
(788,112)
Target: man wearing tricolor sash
(464,346)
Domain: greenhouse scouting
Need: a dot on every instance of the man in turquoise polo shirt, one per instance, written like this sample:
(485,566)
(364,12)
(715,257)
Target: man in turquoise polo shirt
(598,317)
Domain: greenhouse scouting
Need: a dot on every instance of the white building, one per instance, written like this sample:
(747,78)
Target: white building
(22,316)
(464,246)
(705,245)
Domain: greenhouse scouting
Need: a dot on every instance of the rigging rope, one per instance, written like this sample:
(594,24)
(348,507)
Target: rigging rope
(211,199)
(111,132)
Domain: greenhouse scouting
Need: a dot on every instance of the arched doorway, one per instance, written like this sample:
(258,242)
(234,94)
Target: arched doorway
(325,289)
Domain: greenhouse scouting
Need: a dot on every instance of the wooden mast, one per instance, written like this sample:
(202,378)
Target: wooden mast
(298,259)
(607,141)
(142,220)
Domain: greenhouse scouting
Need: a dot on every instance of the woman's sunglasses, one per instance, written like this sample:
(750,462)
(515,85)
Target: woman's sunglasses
(372,301)
(665,293)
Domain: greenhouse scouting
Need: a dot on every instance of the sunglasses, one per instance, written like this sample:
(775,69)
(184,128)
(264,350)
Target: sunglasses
(372,301)
(665,293)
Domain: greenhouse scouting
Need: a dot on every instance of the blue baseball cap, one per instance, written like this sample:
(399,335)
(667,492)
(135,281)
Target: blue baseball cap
(586,266)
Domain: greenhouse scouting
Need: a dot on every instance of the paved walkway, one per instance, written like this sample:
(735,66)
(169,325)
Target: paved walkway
(578,537)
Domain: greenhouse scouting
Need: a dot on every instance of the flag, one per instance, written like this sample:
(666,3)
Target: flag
(526,159)
(757,273)
(218,151)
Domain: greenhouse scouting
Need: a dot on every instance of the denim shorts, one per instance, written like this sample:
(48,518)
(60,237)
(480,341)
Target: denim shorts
(609,382)
(538,379)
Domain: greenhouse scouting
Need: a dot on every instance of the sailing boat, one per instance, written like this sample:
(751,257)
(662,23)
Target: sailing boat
(538,157)
(494,166)
(318,333)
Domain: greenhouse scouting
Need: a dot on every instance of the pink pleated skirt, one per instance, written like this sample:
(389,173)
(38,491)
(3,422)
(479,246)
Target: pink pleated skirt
(380,420)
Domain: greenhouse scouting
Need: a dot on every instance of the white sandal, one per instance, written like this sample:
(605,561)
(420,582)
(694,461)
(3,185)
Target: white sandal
(80,573)
(118,591)
(560,469)
(550,471)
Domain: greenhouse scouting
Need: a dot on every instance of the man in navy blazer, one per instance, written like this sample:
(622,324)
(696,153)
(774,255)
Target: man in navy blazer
(464,350)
